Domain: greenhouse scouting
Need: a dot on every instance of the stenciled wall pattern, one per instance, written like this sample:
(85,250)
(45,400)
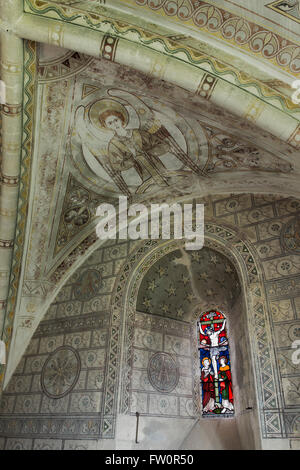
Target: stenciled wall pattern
(270,222)
(210,149)
(55,397)
(84,326)
(161,381)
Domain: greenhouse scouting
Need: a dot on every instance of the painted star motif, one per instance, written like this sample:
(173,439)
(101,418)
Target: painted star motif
(214,259)
(165,308)
(185,279)
(190,297)
(203,276)
(171,291)
(195,256)
(152,285)
(147,303)
(161,271)
(228,269)
(180,312)
(209,292)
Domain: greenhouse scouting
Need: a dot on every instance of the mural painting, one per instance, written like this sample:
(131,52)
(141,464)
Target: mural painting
(133,146)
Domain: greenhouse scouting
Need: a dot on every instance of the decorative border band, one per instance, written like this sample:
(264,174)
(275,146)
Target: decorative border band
(29,77)
(172,46)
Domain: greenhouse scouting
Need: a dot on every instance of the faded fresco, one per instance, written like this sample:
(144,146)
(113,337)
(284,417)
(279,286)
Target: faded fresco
(133,146)
(161,335)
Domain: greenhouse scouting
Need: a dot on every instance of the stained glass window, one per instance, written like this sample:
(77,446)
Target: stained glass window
(217,394)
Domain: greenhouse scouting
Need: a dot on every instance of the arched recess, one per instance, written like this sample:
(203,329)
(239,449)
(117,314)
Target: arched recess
(221,238)
(241,253)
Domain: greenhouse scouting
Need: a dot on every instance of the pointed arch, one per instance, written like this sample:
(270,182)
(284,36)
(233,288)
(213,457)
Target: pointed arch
(242,254)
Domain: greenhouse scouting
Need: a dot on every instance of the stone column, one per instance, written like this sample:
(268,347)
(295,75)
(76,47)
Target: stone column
(11,74)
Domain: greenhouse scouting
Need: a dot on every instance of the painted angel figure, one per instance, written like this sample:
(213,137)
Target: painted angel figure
(136,149)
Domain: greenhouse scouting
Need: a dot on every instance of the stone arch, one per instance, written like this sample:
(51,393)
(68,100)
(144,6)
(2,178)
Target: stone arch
(243,255)
(161,53)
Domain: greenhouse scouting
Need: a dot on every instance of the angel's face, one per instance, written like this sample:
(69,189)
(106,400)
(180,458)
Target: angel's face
(114,123)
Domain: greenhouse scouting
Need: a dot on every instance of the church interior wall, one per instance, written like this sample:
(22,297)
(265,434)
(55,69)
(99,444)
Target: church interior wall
(30,419)
(164,101)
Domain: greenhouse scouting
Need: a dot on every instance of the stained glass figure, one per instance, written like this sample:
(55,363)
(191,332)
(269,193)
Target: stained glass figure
(217,394)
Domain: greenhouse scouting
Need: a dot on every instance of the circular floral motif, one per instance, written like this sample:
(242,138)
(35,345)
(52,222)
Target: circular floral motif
(148,341)
(264,250)
(60,372)
(254,216)
(274,228)
(88,285)
(163,405)
(294,332)
(27,403)
(91,358)
(163,372)
(232,205)
(285,266)
(85,403)
(290,236)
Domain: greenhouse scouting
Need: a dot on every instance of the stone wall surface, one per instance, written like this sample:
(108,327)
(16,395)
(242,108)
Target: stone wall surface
(94,350)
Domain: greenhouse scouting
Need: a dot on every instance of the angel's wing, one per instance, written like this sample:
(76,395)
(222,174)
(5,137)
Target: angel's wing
(94,144)
(160,131)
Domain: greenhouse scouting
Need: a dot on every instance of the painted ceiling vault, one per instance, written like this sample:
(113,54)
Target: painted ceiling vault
(159,101)
(199,278)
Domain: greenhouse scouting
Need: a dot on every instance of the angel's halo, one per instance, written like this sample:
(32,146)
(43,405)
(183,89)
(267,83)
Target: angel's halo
(105,106)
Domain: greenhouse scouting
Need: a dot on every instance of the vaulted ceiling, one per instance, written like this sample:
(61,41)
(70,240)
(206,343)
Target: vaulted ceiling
(204,88)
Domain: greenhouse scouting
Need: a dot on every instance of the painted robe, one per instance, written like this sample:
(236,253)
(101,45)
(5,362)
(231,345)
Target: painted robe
(139,150)
(226,384)
(208,388)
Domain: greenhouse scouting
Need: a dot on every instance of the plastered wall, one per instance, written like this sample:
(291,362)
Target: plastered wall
(92,413)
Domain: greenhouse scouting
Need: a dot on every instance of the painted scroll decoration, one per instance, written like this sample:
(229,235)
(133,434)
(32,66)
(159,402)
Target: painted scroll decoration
(217,393)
